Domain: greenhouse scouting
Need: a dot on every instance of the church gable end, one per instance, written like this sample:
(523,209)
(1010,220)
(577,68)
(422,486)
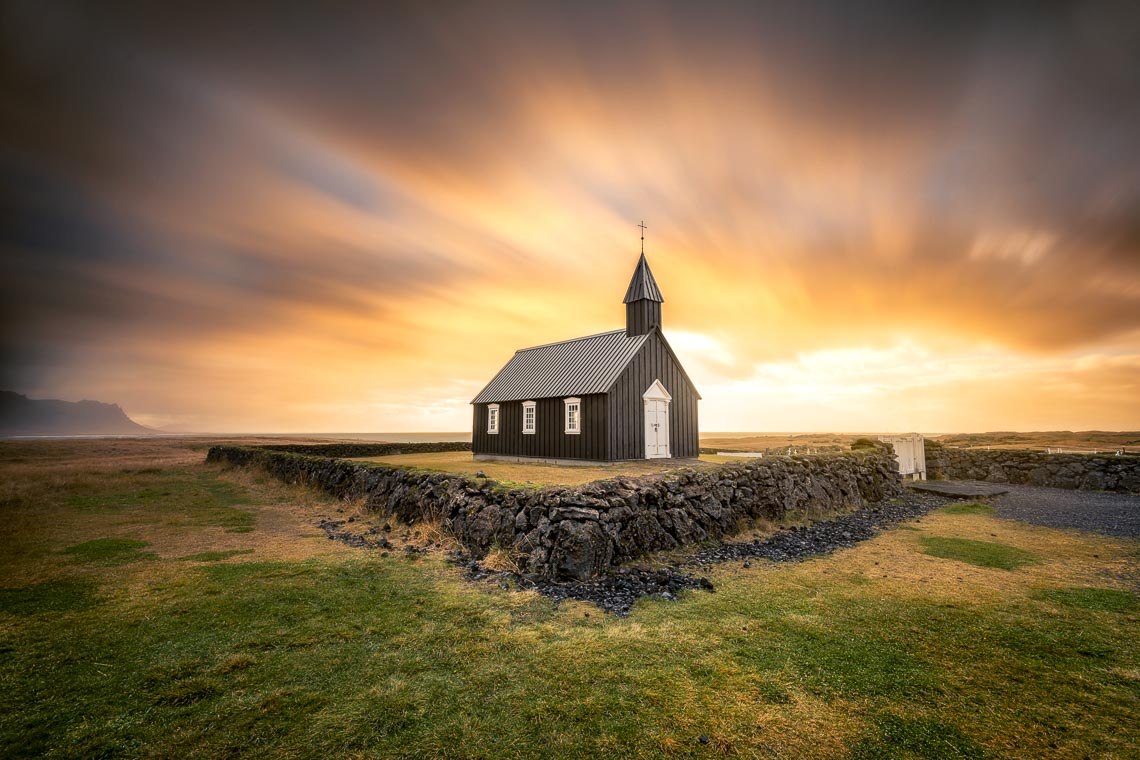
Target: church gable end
(654,362)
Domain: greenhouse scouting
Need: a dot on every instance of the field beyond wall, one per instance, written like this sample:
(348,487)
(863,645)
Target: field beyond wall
(152,605)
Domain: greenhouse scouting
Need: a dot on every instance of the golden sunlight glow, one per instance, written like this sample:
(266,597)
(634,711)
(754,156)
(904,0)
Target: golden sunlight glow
(362,250)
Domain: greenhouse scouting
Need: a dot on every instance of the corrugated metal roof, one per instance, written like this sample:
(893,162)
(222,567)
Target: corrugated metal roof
(567,368)
(643,285)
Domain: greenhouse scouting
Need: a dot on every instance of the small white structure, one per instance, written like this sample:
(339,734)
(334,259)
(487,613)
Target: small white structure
(911,453)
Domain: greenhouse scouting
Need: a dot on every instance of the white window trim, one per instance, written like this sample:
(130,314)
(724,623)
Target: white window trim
(566,402)
(492,419)
(534,417)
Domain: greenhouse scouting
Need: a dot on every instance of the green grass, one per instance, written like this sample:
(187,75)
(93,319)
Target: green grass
(897,737)
(322,651)
(980,553)
(62,595)
(968,509)
(187,497)
(1086,598)
(215,556)
(110,551)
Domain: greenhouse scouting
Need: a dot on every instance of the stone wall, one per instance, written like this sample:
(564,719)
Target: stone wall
(577,532)
(1091,472)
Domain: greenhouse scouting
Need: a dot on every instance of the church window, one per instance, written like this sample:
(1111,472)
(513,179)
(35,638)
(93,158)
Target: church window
(493,419)
(573,415)
(529,414)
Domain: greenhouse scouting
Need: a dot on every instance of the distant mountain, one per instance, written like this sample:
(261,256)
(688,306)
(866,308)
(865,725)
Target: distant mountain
(20,415)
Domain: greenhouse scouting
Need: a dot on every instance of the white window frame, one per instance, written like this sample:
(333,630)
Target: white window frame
(566,404)
(492,419)
(533,407)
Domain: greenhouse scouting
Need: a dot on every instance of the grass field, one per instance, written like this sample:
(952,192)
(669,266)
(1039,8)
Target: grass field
(151,605)
(535,475)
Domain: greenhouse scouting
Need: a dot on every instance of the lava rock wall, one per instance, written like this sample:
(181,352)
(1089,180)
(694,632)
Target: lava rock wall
(1090,472)
(578,532)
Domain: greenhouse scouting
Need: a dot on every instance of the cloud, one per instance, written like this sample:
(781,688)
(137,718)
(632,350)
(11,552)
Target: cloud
(231,212)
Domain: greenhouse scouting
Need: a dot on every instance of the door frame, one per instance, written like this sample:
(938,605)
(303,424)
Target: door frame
(656,392)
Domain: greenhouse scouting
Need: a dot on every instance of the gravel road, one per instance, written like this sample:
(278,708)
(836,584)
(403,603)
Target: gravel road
(1113,514)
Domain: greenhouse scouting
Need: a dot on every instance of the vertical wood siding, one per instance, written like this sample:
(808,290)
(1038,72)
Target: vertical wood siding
(642,316)
(627,427)
(549,439)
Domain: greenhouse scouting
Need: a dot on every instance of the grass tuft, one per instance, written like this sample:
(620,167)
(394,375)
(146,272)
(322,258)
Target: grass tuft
(502,558)
(169,672)
(188,692)
(980,553)
(235,663)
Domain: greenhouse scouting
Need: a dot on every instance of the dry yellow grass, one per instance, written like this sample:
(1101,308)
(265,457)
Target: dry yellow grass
(534,474)
(762,441)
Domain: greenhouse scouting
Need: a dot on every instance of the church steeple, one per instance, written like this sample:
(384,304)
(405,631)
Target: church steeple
(642,301)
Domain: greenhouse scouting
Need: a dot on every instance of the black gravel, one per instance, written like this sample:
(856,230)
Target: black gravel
(369,539)
(842,532)
(614,592)
(618,591)
(1113,514)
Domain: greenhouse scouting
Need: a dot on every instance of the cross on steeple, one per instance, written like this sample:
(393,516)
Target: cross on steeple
(643,229)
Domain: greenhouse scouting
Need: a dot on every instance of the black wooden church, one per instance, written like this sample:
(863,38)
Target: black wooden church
(613,396)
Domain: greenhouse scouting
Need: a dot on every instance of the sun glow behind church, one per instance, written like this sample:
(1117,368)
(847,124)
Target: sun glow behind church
(922,219)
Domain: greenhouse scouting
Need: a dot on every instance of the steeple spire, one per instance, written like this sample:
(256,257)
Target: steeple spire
(643,298)
(643,285)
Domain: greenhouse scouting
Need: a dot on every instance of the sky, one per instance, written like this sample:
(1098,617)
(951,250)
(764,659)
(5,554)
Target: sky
(863,216)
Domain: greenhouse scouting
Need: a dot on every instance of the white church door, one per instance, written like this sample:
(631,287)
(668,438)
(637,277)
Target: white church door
(656,401)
